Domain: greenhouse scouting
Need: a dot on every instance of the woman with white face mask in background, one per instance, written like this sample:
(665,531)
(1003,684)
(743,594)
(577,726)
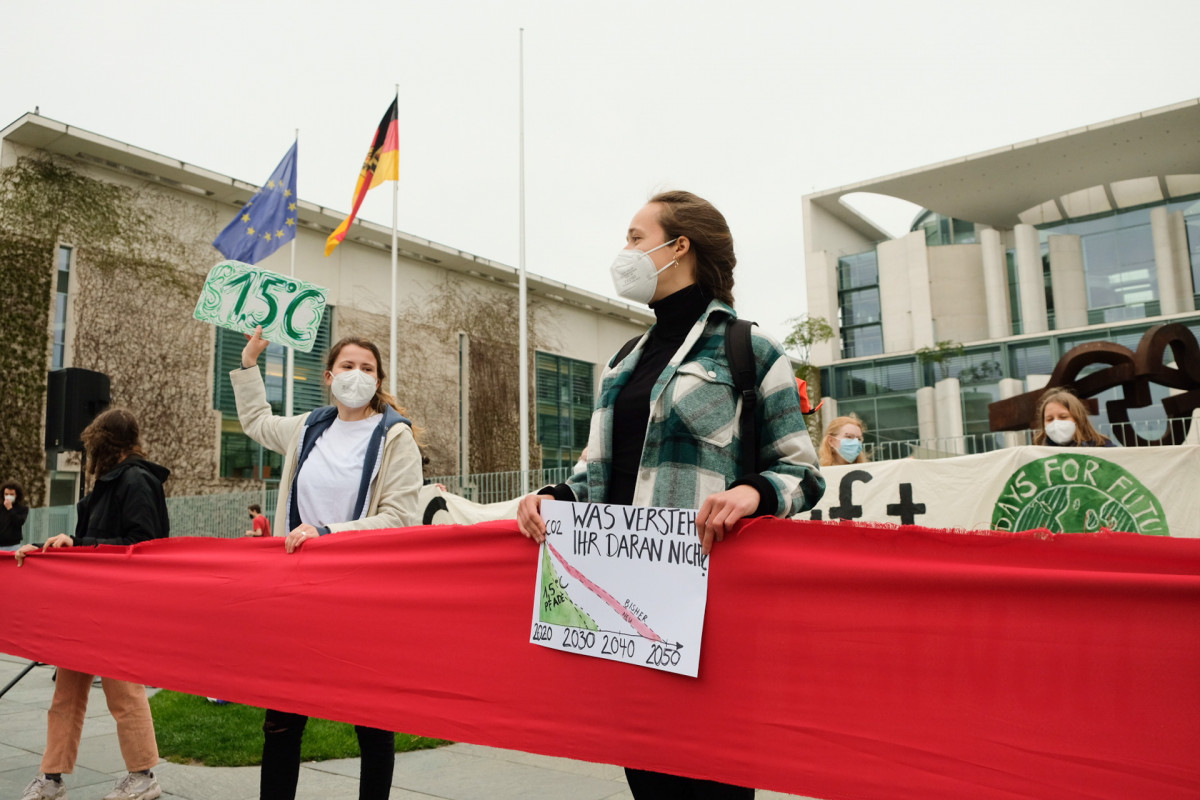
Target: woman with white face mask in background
(1064,422)
(12,516)
(350,466)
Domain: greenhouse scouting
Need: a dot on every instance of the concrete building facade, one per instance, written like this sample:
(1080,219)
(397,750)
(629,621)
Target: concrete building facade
(104,247)
(1020,254)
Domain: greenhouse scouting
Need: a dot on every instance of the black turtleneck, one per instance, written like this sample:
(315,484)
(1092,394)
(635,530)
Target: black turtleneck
(675,315)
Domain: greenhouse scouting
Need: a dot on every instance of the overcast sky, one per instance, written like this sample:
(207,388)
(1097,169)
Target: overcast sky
(749,104)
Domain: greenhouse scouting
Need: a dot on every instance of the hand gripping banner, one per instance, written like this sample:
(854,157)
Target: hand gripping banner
(839,660)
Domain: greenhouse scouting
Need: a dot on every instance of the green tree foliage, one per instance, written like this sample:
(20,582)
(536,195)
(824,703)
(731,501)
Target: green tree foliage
(807,331)
(123,242)
(939,354)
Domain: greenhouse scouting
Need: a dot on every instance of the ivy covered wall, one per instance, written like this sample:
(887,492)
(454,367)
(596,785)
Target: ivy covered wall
(26,265)
(139,256)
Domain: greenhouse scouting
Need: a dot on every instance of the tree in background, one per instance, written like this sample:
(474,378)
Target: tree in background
(939,354)
(807,331)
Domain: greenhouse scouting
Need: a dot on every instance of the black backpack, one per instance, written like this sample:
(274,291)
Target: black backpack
(739,352)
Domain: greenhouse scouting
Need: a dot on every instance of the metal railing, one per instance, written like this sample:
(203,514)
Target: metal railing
(973,443)
(219,515)
(496,487)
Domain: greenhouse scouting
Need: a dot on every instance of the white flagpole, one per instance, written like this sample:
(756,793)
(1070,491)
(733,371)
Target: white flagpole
(289,370)
(395,264)
(523,346)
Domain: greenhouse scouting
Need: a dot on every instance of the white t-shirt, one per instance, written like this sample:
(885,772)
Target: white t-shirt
(327,487)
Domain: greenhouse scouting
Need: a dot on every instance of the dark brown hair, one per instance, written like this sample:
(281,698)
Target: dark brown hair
(685,214)
(111,438)
(256,508)
(16,487)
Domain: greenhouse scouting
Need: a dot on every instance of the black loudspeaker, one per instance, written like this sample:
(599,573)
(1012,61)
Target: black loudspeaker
(73,399)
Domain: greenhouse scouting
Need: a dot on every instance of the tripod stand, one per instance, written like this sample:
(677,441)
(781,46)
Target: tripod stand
(22,674)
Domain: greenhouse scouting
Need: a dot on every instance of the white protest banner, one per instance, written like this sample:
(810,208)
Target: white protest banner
(1149,490)
(241,297)
(626,583)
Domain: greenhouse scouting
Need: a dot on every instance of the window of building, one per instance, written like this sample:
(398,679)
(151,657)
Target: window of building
(62,280)
(880,377)
(1118,264)
(240,456)
(977,366)
(565,400)
(941,230)
(1014,291)
(859,319)
(891,419)
(1191,224)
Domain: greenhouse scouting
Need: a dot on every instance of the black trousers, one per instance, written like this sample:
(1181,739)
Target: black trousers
(282,735)
(659,786)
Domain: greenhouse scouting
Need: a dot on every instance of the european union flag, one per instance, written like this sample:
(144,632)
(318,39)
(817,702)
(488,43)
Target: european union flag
(268,221)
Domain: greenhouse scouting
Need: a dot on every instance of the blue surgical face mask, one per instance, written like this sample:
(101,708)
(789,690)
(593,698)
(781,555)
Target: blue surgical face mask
(850,448)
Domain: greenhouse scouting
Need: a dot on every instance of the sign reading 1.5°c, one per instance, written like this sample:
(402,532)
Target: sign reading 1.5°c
(241,297)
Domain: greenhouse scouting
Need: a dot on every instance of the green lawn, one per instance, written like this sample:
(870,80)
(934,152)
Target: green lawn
(191,730)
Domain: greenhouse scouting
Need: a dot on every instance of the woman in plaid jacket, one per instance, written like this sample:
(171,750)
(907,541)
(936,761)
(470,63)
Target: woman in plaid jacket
(665,429)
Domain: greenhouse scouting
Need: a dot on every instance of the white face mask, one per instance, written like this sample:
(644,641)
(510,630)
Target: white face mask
(353,388)
(1062,431)
(634,275)
(11,498)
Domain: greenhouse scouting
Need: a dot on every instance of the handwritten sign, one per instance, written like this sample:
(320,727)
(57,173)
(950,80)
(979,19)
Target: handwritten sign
(625,583)
(241,297)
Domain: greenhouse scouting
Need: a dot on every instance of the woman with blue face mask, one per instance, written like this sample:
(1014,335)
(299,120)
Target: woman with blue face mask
(843,442)
(665,432)
(352,465)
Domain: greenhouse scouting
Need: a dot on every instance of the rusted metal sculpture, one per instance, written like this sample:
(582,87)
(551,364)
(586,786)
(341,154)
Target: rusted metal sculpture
(1133,372)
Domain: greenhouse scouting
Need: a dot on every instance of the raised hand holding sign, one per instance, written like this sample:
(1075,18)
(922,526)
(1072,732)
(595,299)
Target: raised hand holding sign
(242,297)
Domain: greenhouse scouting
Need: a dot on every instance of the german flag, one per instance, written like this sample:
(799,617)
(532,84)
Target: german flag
(381,164)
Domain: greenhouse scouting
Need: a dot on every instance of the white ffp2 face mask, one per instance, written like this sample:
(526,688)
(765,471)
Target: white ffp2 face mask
(1061,431)
(634,275)
(353,388)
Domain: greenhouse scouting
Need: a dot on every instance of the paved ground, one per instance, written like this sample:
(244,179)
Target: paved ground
(456,772)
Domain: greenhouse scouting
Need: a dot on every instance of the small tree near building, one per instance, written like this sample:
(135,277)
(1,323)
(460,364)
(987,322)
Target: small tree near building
(939,354)
(807,331)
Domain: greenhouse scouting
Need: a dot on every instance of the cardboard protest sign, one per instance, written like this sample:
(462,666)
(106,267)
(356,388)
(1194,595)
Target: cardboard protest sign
(241,297)
(625,583)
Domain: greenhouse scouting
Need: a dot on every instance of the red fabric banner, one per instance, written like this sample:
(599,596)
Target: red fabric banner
(839,661)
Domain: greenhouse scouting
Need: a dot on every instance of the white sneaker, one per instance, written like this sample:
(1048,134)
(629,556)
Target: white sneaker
(135,786)
(42,788)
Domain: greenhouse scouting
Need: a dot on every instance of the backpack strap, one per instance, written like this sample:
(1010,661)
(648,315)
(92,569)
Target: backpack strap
(625,350)
(739,352)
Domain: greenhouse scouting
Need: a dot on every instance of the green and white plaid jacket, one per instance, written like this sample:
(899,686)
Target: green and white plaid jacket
(692,447)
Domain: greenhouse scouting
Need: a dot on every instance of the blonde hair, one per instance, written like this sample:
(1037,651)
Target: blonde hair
(1085,432)
(826,454)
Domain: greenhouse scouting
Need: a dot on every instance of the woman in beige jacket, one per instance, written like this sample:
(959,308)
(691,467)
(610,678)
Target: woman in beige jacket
(350,466)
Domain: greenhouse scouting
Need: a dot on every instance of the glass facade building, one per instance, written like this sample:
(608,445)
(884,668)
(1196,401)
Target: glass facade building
(1121,280)
(1019,254)
(564,408)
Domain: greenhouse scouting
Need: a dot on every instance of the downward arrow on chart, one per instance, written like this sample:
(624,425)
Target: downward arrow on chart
(637,624)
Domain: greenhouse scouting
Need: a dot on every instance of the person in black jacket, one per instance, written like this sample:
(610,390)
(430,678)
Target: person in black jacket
(127,505)
(12,515)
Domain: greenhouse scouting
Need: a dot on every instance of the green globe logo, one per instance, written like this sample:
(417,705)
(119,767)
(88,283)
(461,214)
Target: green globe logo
(1074,493)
